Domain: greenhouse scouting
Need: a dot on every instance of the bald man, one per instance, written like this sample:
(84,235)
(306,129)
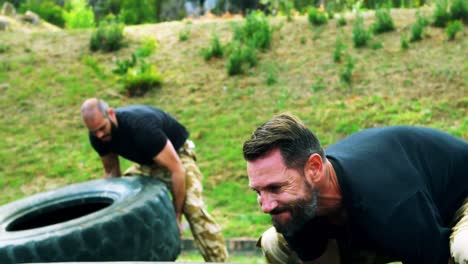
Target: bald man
(159,146)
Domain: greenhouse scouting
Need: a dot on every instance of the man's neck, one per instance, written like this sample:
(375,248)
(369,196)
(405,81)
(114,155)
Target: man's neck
(329,198)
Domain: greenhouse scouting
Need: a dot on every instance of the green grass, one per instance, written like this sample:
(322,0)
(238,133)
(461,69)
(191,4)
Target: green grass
(44,78)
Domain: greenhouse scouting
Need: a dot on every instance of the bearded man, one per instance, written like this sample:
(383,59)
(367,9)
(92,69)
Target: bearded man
(380,195)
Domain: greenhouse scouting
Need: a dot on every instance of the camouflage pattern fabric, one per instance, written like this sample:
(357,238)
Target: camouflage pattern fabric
(276,249)
(207,234)
(459,236)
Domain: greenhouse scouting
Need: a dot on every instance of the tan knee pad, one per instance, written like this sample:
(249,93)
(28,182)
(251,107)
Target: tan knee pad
(276,249)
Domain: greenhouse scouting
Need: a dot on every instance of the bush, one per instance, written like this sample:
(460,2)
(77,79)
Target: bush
(441,15)
(141,79)
(107,37)
(404,42)
(79,15)
(453,28)
(341,21)
(134,12)
(216,50)
(147,47)
(417,29)
(339,51)
(124,65)
(241,55)
(459,10)
(4,48)
(360,34)
(256,31)
(347,72)
(317,17)
(47,10)
(272,75)
(384,21)
(184,35)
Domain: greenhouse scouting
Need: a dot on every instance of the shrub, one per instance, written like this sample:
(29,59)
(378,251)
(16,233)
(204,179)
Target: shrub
(376,45)
(404,42)
(79,15)
(241,55)
(138,11)
(94,65)
(339,51)
(139,80)
(417,29)
(347,72)
(341,21)
(317,17)
(107,37)
(147,47)
(360,34)
(256,31)
(47,10)
(4,48)
(184,35)
(459,10)
(453,28)
(124,65)
(272,75)
(441,15)
(215,50)
(384,21)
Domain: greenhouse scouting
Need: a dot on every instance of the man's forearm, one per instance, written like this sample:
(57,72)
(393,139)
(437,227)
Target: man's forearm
(178,192)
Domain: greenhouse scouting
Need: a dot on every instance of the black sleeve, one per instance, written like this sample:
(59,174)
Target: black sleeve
(310,242)
(153,141)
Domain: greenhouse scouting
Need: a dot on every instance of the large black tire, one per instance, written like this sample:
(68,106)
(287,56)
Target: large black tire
(118,219)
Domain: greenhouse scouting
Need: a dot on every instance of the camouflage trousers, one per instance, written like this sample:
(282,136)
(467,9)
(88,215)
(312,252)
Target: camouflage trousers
(207,234)
(276,249)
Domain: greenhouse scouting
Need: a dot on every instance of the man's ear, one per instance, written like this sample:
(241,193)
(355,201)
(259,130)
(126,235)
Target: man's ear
(314,168)
(111,113)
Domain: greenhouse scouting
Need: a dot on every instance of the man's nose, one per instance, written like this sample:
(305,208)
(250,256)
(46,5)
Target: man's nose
(267,203)
(99,134)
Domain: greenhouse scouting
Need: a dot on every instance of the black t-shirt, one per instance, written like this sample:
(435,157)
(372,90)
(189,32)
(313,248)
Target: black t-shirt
(401,187)
(141,134)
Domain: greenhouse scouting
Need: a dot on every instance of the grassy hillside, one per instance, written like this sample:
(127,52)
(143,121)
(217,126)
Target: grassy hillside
(45,76)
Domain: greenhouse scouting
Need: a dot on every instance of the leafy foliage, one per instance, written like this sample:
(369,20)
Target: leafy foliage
(341,21)
(384,21)
(441,14)
(256,31)
(417,29)
(360,34)
(404,42)
(317,17)
(459,10)
(107,37)
(453,28)
(78,14)
(139,80)
(347,71)
(47,10)
(339,51)
(241,56)
(216,49)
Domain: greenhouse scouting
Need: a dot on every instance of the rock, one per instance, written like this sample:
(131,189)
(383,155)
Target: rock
(31,17)
(3,24)
(8,9)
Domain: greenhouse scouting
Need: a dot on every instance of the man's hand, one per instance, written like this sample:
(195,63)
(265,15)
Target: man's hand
(111,165)
(169,159)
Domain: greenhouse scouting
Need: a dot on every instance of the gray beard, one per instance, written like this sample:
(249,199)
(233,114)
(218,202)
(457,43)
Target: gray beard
(302,211)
